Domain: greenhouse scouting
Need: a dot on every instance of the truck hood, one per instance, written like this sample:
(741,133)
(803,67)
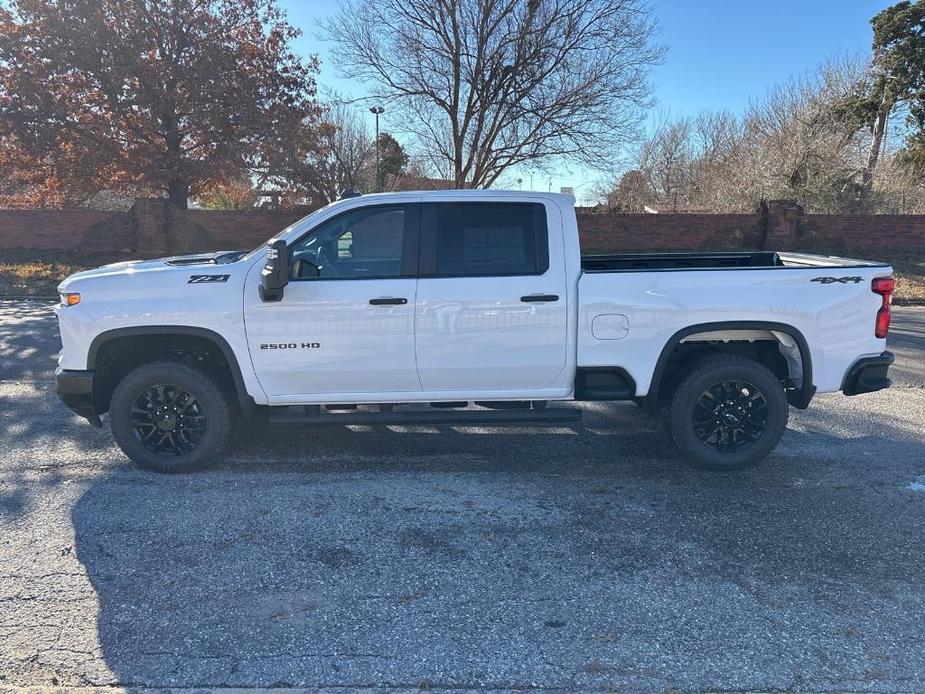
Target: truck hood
(172,264)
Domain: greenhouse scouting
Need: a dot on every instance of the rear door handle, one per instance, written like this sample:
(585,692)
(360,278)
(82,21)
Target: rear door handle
(392,301)
(534,298)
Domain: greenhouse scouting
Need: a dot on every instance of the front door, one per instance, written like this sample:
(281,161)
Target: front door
(491,314)
(345,324)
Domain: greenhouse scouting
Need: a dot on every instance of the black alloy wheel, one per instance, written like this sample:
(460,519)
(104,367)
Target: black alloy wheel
(168,420)
(730,416)
(727,413)
(170,417)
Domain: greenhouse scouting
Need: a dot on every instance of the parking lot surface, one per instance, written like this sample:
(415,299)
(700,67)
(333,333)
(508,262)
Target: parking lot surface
(465,557)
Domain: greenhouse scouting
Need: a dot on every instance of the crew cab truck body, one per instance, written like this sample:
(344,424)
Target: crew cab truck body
(477,304)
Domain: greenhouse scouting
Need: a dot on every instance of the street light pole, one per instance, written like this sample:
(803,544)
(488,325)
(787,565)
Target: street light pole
(377,110)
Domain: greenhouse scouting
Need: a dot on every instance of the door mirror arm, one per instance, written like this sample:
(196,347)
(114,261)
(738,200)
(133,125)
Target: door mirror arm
(275,274)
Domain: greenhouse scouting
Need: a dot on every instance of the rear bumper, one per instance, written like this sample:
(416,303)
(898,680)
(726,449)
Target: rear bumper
(75,388)
(868,374)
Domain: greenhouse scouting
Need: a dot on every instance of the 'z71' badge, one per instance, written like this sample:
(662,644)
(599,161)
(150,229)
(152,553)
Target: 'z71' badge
(204,279)
(833,280)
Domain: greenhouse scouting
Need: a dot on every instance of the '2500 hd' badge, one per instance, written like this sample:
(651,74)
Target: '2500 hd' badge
(290,345)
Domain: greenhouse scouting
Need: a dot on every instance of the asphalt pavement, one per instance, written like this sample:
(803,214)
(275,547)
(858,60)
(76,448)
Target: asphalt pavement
(465,557)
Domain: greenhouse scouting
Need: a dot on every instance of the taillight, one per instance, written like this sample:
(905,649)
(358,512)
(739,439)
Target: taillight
(884,287)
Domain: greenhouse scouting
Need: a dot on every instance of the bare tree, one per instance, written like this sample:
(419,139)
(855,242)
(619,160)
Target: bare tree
(631,193)
(666,159)
(352,149)
(799,145)
(489,84)
(716,170)
(794,143)
(320,171)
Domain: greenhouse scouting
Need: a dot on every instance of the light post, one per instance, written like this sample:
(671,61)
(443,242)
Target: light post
(377,110)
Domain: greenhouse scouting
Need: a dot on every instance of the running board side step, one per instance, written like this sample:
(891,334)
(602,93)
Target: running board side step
(552,415)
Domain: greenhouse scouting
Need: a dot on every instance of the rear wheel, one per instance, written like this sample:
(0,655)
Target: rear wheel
(169,417)
(728,413)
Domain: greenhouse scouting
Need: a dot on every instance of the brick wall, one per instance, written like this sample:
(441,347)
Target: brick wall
(630,232)
(242,229)
(152,228)
(163,229)
(867,231)
(46,229)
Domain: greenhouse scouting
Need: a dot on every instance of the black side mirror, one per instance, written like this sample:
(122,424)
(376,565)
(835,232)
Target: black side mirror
(275,274)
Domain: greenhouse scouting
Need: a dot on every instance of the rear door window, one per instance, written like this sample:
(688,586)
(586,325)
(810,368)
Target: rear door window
(479,239)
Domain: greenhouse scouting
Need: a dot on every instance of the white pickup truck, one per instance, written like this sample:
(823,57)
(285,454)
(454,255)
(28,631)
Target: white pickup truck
(464,307)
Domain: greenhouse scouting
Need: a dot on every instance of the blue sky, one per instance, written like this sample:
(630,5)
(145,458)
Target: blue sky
(721,53)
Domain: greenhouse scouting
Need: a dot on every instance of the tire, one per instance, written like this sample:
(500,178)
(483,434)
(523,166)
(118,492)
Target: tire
(727,414)
(189,423)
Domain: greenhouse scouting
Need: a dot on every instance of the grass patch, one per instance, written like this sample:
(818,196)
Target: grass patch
(909,269)
(31,274)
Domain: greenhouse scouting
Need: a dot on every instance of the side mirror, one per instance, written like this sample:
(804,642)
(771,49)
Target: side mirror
(275,274)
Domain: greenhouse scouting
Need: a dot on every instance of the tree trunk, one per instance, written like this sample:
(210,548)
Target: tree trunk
(876,144)
(178,193)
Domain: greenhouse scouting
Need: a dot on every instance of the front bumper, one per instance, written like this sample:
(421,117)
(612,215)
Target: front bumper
(75,389)
(868,374)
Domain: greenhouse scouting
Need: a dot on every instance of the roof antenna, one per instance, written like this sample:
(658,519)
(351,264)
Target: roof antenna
(349,193)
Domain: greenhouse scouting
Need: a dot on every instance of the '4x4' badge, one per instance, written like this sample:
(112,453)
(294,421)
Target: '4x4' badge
(833,280)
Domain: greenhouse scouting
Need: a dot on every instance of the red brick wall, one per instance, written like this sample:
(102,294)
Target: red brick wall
(46,229)
(244,229)
(165,230)
(148,229)
(152,229)
(868,231)
(665,232)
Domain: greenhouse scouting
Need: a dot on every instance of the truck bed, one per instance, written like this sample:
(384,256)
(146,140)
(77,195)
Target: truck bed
(629,262)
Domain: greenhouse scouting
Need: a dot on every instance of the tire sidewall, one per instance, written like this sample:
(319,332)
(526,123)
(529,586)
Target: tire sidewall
(196,383)
(680,415)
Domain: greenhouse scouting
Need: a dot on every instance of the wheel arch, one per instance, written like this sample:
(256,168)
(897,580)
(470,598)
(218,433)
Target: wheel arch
(245,402)
(800,397)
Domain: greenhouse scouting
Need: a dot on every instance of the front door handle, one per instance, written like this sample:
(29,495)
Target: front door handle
(534,298)
(392,301)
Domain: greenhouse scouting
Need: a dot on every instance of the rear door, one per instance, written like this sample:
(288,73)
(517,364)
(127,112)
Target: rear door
(491,311)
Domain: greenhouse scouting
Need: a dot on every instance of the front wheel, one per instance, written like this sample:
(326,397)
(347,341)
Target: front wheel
(728,413)
(169,417)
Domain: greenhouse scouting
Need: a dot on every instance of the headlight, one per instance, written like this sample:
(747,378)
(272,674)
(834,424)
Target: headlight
(71,299)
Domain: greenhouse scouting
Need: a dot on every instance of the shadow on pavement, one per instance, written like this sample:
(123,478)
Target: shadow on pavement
(29,341)
(565,559)
(33,422)
(34,429)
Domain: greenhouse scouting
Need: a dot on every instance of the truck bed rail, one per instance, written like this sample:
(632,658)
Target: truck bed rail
(763,260)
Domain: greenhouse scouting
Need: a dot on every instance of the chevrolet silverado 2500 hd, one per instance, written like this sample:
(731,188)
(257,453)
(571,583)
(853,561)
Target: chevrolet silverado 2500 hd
(467,307)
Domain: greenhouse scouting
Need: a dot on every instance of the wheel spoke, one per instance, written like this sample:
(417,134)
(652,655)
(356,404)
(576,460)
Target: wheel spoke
(189,402)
